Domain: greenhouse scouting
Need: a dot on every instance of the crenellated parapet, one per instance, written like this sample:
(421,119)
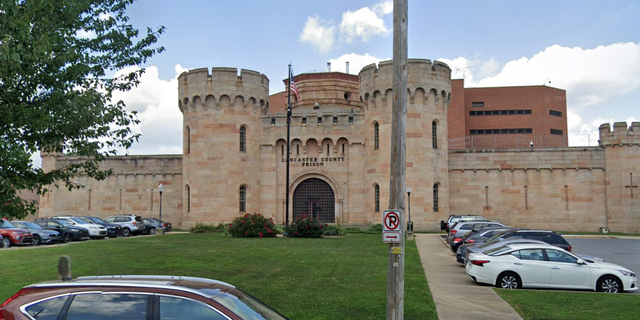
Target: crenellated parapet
(223,89)
(425,80)
(621,135)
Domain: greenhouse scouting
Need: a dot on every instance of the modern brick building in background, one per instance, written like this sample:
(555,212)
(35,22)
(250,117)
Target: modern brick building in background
(468,152)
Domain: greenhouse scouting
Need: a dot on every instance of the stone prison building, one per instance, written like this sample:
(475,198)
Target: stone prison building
(497,152)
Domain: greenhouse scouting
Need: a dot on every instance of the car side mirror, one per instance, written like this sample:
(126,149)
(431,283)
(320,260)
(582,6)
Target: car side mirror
(581,262)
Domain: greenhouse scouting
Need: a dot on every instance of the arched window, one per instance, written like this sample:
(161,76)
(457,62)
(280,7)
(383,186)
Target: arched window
(376,136)
(243,139)
(434,135)
(377,192)
(435,197)
(188,198)
(243,199)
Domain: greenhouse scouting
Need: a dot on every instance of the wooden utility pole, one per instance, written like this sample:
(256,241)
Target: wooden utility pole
(395,264)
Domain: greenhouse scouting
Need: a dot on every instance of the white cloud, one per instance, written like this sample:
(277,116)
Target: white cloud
(383,8)
(364,23)
(319,34)
(156,102)
(356,62)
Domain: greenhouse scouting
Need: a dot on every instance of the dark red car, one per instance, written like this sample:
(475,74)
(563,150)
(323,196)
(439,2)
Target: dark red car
(14,236)
(135,298)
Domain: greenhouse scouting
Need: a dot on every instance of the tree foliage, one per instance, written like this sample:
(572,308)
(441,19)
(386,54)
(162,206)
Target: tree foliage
(56,92)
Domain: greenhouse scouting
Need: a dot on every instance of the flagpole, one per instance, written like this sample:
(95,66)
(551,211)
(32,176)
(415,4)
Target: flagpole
(288,141)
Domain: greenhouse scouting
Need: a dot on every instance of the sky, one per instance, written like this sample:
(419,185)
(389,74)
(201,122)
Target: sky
(591,49)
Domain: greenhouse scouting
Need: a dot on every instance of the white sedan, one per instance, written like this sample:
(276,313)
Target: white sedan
(515,266)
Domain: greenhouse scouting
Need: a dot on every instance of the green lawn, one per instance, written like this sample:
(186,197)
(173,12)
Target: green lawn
(560,305)
(329,278)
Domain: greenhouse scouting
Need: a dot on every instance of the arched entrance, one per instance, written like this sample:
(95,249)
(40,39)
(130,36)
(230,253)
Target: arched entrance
(314,198)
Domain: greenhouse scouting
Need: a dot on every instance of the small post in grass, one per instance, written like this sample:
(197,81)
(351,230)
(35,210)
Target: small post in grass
(64,268)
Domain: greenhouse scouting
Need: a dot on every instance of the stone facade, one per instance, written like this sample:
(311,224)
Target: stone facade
(234,158)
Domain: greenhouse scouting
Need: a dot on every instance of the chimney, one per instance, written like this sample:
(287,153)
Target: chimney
(328,66)
(347,66)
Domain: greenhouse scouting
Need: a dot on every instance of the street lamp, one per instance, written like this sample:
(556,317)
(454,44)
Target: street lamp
(409,223)
(161,189)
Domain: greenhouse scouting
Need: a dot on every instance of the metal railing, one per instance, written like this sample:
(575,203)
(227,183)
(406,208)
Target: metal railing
(500,141)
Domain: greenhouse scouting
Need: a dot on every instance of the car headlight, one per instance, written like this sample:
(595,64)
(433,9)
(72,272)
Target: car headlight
(627,273)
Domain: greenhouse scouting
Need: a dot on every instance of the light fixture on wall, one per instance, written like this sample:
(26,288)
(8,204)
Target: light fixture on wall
(161,190)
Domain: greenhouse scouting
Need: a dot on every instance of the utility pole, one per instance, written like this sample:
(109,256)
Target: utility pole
(395,264)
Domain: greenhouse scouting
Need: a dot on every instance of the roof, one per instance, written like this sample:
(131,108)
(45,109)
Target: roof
(169,282)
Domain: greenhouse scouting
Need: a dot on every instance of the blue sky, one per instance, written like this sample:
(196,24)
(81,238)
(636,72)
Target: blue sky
(589,48)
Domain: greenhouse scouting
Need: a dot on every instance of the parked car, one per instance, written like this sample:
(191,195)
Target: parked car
(135,297)
(113,230)
(40,235)
(151,224)
(455,218)
(96,231)
(131,224)
(12,235)
(479,235)
(67,231)
(465,249)
(515,266)
(460,229)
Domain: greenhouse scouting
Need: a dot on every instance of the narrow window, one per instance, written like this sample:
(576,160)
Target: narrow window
(566,197)
(304,120)
(350,119)
(297,149)
(188,134)
(435,197)
(556,132)
(327,149)
(335,120)
(273,121)
(486,197)
(343,148)
(477,104)
(243,139)
(526,198)
(188,198)
(376,136)
(377,194)
(243,199)
(319,120)
(555,113)
(434,135)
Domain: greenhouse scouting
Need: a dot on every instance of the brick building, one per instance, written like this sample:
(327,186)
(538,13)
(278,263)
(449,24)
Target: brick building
(234,157)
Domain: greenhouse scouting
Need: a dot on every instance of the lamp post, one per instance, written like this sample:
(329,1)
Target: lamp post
(161,189)
(409,223)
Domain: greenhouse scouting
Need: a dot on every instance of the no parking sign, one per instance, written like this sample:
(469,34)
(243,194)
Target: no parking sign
(391,226)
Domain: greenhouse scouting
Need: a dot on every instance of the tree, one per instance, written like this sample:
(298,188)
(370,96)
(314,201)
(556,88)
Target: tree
(56,94)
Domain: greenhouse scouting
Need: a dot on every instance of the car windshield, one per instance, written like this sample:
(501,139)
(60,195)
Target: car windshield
(497,236)
(243,304)
(96,220)
(78,220)
(85,220)
(497,251)
(31,225)
(63,222)
(6,224)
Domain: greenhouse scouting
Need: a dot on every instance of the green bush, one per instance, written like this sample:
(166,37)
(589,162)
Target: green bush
(333,230)
(305,227)
(202,227)
(374,229)
(353,230)
(252,226)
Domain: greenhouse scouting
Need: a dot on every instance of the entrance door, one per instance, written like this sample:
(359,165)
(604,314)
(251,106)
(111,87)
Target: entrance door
(314,198)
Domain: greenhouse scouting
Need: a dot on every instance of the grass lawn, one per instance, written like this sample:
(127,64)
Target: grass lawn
(329,278)
(561,305)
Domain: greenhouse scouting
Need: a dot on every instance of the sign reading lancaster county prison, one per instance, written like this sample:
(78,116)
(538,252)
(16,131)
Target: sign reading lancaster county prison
(314,162)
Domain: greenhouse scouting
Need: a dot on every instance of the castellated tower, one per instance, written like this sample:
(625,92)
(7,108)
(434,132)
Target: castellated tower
(221,129)
(429,93)
(622,151)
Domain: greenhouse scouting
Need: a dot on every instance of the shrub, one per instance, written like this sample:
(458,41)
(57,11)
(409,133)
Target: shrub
(252,226)
(353,230)
(374,229)
(333,230)
(202,227)
(305,227)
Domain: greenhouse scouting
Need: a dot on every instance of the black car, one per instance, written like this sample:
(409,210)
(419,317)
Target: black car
(40,234)
(113,230)
(67,231)
(151,224)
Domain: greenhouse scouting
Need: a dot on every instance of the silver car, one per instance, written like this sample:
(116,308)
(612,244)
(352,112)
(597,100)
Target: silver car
(40,235)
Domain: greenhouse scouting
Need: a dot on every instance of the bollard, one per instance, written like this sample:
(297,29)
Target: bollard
(64,268)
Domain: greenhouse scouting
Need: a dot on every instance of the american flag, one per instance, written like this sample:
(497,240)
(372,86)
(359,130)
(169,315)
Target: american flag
(293,86)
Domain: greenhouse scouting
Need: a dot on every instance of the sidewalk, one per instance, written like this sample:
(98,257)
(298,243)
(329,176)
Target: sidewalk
(455,295)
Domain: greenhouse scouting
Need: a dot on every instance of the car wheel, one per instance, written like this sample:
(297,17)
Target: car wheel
(152,231)
(609,284)
(66,238)
(508,280)
(36,240)
(6,242)
(126,232)
(442,225)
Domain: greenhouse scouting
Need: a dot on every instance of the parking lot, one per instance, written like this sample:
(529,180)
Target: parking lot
(624,252)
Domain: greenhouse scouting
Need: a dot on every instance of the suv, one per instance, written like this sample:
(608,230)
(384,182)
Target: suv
(12,235)
(550,237)
(456,218)
(40,234)
(131,224)
(460,229)
(135,297)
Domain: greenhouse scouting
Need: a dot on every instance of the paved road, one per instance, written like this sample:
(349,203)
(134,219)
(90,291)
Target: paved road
(625,252)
